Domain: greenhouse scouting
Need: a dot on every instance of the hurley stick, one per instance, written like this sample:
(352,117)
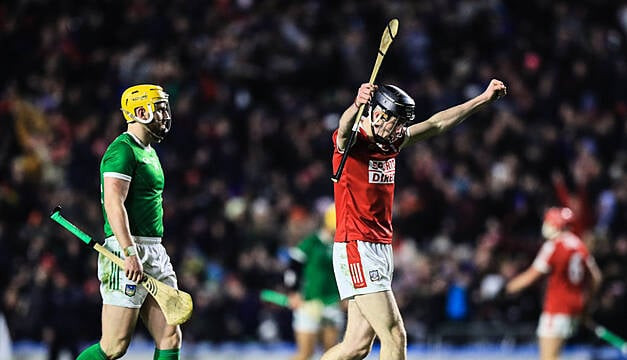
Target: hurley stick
(176,304)
(313,308)
(386,39)
(274,297)
(606,335)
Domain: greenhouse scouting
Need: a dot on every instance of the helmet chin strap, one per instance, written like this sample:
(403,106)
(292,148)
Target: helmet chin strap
(381,141)
(146,122)
(157,138)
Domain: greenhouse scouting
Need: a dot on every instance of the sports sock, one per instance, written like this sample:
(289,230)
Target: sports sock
(93,352)
(170,354)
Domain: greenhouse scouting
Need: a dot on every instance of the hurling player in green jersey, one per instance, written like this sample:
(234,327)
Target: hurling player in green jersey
(131,194)
(314,296)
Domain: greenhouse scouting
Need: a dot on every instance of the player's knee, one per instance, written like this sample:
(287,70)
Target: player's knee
(303,354)
(396,337)
(357,351)
(115,349)
(399,335)
(171,340)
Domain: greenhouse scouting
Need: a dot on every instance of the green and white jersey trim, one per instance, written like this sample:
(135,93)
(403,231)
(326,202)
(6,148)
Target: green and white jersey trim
(139,142)
(297,254)
(117,176)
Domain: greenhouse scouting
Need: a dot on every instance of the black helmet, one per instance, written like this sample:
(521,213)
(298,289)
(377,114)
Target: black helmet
(395,102)
(398,107)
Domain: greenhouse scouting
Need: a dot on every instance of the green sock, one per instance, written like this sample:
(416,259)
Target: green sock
(170,354)
(93,352)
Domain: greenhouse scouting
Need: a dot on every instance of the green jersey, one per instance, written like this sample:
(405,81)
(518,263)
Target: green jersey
(318,278)
(128,159)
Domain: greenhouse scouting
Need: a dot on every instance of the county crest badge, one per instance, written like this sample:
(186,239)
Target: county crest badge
(130,290)
(374,275)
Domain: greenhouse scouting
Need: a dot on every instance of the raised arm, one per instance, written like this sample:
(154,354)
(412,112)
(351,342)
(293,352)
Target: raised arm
(347,120)
(446,119)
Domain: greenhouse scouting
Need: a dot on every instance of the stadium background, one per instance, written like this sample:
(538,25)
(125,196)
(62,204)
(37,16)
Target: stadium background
(256,90)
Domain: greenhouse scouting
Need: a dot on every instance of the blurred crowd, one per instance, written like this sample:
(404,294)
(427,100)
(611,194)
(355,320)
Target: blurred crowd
(257,88)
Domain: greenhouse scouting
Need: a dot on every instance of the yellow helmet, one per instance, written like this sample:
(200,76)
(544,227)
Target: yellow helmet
(144,96)
(329,218)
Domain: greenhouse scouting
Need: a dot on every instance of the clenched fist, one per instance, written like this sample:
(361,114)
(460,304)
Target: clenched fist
(495,90)
(364,94)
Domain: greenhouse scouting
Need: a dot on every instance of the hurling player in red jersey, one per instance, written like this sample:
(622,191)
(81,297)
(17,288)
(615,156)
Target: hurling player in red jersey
(571,272)
(362,252)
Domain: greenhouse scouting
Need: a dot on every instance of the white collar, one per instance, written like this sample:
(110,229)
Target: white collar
(139,142)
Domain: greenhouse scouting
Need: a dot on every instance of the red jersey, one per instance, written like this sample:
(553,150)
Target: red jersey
(365,192)
(564,259)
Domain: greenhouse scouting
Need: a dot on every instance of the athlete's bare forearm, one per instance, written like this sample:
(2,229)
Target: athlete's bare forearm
(445,119)
(115,192)
(118,220)
(595,274)
(523,281)
(451,117)
(347,120)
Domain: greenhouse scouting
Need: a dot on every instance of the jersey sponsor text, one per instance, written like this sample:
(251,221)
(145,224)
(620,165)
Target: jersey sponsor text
(381,171)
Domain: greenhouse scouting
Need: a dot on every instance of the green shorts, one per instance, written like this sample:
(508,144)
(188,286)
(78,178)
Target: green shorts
(116,289)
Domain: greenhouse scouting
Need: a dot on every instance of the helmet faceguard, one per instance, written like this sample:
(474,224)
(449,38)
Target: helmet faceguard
(162,121)
(155,103)
(392,110)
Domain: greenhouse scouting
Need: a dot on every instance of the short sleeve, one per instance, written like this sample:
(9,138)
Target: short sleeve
(542,263)
(118,162)
(334,139)
(360,135)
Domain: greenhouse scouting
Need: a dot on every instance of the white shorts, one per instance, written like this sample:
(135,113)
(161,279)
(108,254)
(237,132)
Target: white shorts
(116,289)
(312,315)
(362,267)
(557,325)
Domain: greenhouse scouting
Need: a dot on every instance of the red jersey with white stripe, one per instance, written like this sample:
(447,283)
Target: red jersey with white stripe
(365,192)
(564,259)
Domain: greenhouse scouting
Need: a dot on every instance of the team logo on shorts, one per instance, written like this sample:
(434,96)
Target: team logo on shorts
(374,275)
(130,290)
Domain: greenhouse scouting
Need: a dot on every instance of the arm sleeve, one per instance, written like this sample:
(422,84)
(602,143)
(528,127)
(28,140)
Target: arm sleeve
(542,262)
(118,162)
